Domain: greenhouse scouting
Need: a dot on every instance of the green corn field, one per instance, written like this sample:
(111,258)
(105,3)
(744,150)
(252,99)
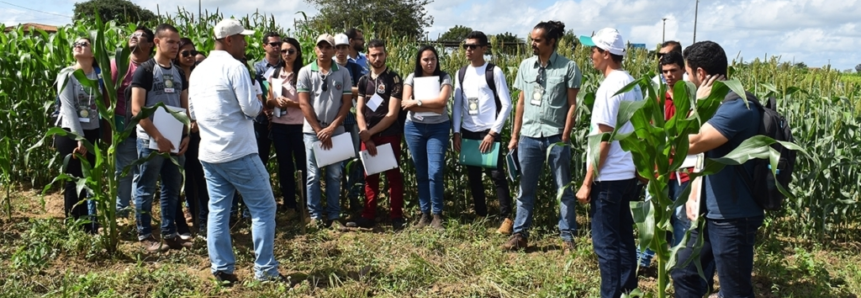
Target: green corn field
(823,109)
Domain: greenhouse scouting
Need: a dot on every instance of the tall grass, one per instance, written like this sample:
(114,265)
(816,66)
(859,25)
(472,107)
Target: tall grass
(823,110)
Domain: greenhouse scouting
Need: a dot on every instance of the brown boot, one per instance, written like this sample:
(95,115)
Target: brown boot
(176,242)
(568,247)
(506,227)
(515,242)
(437,222)
(153,245)
(424,221)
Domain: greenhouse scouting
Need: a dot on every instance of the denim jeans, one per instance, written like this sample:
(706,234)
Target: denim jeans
(289,146)
(427,144)
(247,175)
(679,220)
(396,182)
(532,153)
(498,175)
(313,191)
(127,153)
(728,244)
(353,176)
(613,235)
(145,188)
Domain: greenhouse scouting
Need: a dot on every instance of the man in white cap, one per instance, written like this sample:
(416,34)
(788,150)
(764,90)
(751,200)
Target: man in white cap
(354,175)
(223,102)
(325,97)
(609,193)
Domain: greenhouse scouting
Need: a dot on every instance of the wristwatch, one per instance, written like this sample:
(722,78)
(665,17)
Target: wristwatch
(419,102)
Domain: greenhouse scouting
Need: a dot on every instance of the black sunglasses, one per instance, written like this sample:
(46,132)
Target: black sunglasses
(471,46)
(325,85)
(275,44)
(82,44)
(289,52)
(541,74)
(189,53)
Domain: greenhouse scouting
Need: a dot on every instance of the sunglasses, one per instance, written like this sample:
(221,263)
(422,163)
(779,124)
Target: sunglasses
(325,85)
(288,52)
(275,44)
(541,74)
(138,34)
(189,53)
(82,44)
(471,46)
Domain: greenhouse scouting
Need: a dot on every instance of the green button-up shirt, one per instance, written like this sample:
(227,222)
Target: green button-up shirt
(547,118)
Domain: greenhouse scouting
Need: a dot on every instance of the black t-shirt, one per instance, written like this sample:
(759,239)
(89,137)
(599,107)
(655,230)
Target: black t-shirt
(388,84)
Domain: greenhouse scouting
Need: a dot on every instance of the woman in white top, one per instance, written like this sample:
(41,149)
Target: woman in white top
(78,115)
(287,121)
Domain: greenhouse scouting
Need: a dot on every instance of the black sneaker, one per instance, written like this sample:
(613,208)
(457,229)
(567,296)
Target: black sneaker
(398,224)
(225,279)
(361,222)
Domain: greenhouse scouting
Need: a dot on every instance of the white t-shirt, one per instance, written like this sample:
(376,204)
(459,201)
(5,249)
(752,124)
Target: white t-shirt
(474,92)
(619,164)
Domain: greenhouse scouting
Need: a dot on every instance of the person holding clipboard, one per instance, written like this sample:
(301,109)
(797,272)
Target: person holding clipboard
(378,105)
(481,107)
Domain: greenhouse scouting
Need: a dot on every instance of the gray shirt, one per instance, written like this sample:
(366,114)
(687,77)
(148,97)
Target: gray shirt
(326,103)
(162,85)
(411,116)
(78,111)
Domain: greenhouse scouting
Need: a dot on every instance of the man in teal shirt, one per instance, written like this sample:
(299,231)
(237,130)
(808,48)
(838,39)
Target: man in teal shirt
(548,85)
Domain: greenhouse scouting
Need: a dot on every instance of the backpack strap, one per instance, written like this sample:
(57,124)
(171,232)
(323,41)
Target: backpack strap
(491,83)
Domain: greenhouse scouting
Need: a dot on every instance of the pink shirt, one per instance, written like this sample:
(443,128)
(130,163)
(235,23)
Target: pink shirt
(290,116)
(121,91)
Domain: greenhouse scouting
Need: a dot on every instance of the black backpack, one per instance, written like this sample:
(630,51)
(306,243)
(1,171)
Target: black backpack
(488,76)
(762,182)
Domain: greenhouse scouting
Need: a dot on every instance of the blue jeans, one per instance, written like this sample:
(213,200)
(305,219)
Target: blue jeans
(247,175)
(613,235)
(127,153)
(679,220)
(728,244)
(427,144)
(312,186)
(144,186)
(532,153)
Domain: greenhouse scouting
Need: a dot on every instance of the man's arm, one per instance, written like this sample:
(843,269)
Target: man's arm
(571,119)
(504,99)
(308,110)
(603,151)
(138,102)
(457,107)
(518,122)
(245,93)
(390,118)
(708,139)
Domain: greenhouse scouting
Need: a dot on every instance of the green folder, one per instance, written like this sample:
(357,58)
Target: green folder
(470,155)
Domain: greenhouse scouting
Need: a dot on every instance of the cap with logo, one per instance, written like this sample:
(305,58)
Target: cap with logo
(230,27)
(327,38)
(342,39)
(607,39)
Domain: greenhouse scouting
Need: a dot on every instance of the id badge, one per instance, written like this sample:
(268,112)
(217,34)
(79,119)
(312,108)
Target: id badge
(473,105)
(169,90)
(537,93)
(84,116)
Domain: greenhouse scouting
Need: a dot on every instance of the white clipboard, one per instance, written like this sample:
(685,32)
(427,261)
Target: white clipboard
(168,126)
(426,88)
(342,149)
(383,161)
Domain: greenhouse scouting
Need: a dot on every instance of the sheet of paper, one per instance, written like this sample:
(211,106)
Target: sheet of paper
(277,86)
(425,88)
(697,184)
(375,102)
(168,126)
(383,161)
(342,149)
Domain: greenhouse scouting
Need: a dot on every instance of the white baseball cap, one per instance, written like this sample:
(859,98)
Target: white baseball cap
(607,39)
(341,38)
(230,27)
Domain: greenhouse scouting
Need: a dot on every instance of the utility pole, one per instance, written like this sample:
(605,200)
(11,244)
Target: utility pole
(696,12)
(664,35)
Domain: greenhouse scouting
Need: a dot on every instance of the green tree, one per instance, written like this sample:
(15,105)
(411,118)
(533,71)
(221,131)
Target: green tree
(402,17)
(121,11)
(457,33)
(507,37)
(858,68)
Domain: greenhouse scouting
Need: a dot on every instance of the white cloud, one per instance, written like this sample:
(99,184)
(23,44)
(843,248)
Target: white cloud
(812,31)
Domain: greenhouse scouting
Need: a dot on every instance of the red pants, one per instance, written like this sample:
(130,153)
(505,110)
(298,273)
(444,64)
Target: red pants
(396,182)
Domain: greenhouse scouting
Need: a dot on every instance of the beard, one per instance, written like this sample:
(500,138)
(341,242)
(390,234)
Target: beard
(358,48)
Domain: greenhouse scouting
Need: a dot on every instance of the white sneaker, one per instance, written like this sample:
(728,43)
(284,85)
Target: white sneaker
(186,236)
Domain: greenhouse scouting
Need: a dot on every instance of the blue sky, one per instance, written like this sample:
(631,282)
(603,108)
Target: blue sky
(813,31)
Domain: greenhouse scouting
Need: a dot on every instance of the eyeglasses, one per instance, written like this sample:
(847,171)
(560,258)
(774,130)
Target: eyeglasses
(471,46)
(138,34)
(189,53)
(81,44)
(325,85)
(275,44)
(288,52)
